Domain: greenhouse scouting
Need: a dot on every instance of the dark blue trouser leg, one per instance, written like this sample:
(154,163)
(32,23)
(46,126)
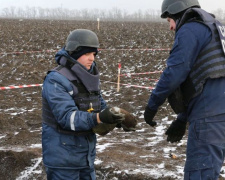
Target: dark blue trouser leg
(205,150)
(70,174)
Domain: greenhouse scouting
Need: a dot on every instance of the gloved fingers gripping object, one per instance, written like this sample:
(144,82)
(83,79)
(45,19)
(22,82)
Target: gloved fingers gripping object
(127,121)
(109,116)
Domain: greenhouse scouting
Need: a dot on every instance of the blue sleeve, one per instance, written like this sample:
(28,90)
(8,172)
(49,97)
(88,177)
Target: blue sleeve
(186,48)
(58,91)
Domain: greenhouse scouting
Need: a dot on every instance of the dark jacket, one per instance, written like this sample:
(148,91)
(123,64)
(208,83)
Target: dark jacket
(190,40)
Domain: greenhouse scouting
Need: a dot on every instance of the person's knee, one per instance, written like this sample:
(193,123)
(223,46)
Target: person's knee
(200,168)
(206,174)
(88,174)
(59,174)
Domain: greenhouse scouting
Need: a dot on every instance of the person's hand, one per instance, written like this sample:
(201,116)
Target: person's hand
(111,117)
(176,131)
(149,115)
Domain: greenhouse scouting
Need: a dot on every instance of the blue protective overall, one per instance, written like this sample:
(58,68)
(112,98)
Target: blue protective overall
(197,55)
(69,145)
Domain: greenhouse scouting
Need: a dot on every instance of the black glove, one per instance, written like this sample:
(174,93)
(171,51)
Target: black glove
(119,125)
(149,115)
(176,131)
(109,117)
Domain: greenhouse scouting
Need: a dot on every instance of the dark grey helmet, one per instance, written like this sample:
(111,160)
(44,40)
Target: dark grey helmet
(81,37)
(176,6)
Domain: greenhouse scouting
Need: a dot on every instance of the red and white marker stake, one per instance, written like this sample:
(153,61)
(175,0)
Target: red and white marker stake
(98,20)
(118,81)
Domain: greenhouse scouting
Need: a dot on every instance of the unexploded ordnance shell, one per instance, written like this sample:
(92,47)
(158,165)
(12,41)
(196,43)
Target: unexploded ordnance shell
(128,124)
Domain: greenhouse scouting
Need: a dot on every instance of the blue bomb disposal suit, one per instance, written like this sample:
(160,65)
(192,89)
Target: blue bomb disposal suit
(68,143)
(197,64)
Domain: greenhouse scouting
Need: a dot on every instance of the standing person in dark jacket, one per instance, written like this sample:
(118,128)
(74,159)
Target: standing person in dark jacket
(72,106)
(195,76)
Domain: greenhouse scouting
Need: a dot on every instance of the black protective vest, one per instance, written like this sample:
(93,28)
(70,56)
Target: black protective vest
(86,92)
(209,64)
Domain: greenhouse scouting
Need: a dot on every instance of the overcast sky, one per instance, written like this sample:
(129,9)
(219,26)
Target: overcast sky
(129,5)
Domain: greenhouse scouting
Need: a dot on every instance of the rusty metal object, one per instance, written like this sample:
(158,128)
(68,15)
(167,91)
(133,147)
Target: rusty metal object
(129,124)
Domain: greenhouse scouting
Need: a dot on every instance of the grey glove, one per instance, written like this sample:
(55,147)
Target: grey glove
(110,117)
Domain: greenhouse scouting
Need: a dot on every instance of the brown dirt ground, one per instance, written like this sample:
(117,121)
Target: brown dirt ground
(20,109)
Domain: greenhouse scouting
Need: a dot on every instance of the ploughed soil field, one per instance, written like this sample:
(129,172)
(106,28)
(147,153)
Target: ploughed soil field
(27,51)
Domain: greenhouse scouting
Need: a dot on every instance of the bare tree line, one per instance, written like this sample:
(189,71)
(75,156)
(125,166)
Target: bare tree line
(83,14)
(220,14)
(88,14)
